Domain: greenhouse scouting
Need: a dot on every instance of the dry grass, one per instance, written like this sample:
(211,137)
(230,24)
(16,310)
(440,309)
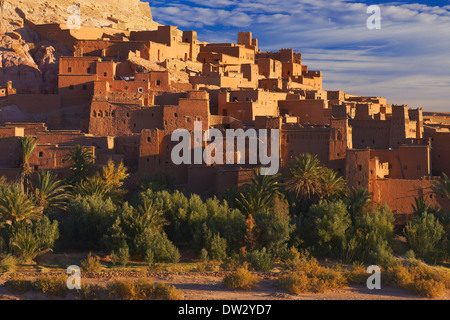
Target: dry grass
(143,290)
(242,279)
(419,278)
(51,285)
(91,264)
(309,276)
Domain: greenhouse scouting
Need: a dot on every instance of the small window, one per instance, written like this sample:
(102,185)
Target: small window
(128,114)
(105,74)
(148,139)
(158,82)
(140,90)
(360,167)
(36,168)
(69,69)
(40,154)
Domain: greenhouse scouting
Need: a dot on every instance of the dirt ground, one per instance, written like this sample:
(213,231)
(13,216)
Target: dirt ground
(211,288)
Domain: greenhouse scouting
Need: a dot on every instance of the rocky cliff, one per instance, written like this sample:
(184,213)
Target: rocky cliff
(32,63)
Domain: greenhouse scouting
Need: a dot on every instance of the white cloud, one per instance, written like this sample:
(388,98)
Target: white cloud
(406,61)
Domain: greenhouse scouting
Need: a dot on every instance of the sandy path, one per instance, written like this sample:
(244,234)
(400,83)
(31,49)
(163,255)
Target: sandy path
(211,288)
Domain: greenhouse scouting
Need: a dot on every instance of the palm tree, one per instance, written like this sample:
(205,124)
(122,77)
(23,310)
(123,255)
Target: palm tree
(333,185)
(93,186)
(420,206)
(50,192)
(149,216)
(82,161)
(27,145)
(305,180)
(357,200)
(17,207)
(442,186)
(259,194)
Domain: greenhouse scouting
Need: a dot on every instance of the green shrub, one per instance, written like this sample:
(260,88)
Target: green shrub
(149,257)
(89,219)
(158,243)
(123,256)
(91,264)
(371,236)
(218,248)
(260,260)
(325,228)
(424,235)
(275,227)
(204,255)
(242,279)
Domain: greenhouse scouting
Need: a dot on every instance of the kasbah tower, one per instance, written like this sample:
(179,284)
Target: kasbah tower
(121,84)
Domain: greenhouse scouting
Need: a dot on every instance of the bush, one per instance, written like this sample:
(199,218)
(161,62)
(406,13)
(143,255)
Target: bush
(141,231)
(8,263)
(310,276)
(242,279)
(51,285)
(89,292)
(325,228)
(18,285)
(218,248)
(127,290)
(149,257)
(424,235)
(143,290)
(427,288)
(167,292)
(371,236)
(290,258)
(419,278)
(27,241)
(275,227)
(357,275)
(91,264)
(191,219)
(158,243)
(321,280)
(204,255)
(123,256)
(260,260)
(89,219)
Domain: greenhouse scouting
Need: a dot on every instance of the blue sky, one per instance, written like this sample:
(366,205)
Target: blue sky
(407,60)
